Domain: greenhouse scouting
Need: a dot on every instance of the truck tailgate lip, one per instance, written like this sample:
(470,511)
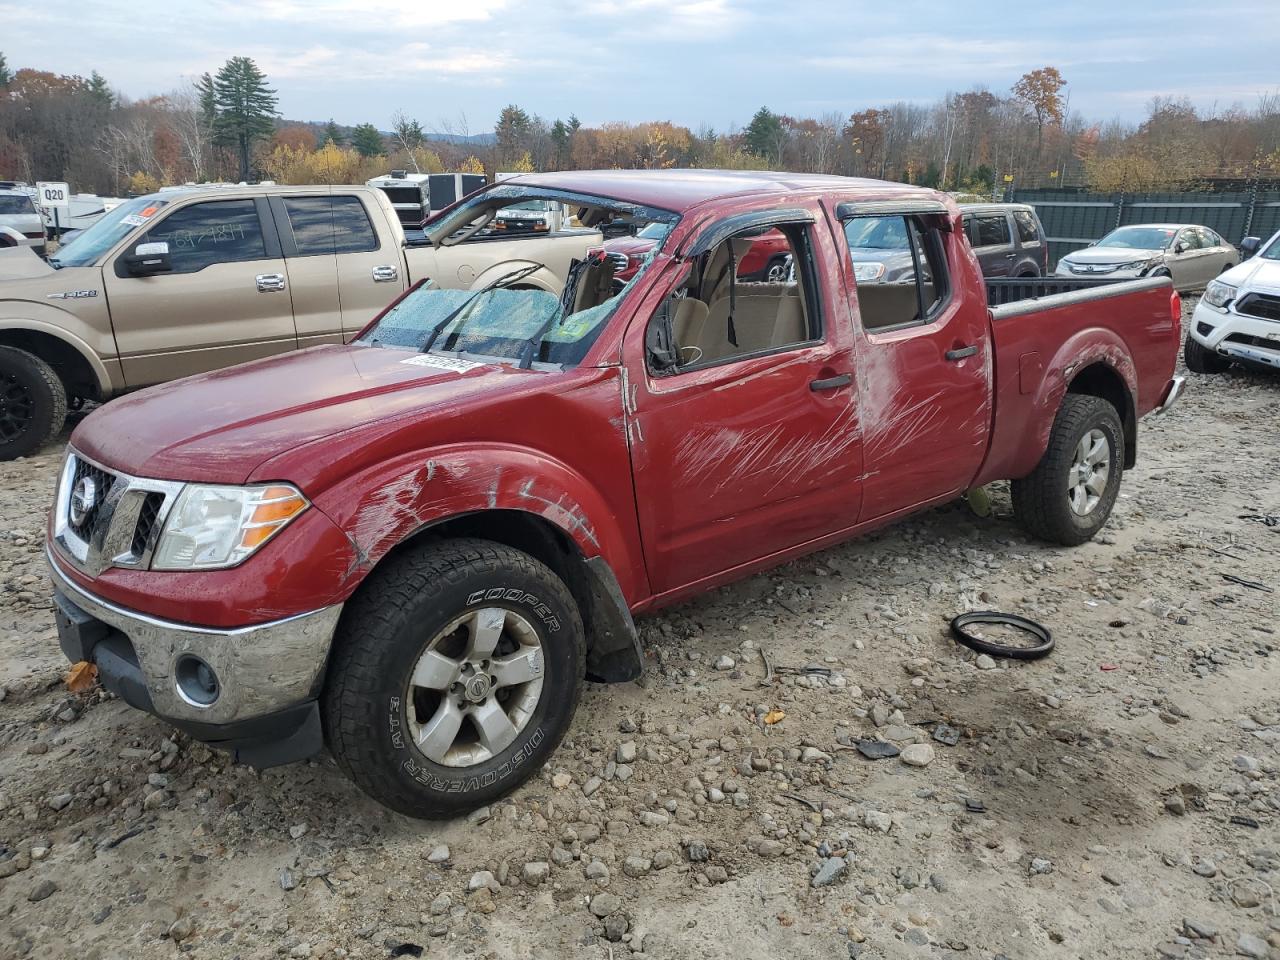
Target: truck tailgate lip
(1102,292)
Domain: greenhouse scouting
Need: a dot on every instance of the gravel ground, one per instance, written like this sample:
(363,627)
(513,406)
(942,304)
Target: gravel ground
(1117,799)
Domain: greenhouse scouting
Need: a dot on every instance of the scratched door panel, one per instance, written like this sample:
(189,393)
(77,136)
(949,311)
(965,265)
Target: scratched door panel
(739,461)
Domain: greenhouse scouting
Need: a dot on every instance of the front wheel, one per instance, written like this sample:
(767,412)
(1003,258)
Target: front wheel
(1200,359)
(456,672)
(33,403)
(1069,496)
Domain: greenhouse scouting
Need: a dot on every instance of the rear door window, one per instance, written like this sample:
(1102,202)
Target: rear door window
(1027,229)
(329,225)
(217,231)
(902,279)
(991,230)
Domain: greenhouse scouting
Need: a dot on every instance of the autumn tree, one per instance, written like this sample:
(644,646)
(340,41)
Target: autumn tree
(408,137)
(295,135)
(1040,91)
(367,140)
(246,108)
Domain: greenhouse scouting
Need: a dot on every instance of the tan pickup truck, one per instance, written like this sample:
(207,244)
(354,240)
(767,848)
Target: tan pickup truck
(186,281)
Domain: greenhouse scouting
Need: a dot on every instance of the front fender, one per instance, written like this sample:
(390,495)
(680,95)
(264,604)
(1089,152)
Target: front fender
(63,325)
(384,505)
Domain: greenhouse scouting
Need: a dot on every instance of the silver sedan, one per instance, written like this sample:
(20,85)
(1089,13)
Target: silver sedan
(1192,255)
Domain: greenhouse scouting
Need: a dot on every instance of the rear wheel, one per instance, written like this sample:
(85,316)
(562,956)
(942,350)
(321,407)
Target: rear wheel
(1200,359)
(776,271)
(1069,496)
(33,403)
(456,672)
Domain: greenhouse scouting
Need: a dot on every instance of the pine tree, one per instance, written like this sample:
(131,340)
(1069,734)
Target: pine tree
(100,91)
(332,135)
(764,135)
(246,108)
(367,140)
(5,75)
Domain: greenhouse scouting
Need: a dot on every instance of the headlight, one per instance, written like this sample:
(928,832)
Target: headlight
(1218,294)
(868,271)
(214,527)
(1137,264)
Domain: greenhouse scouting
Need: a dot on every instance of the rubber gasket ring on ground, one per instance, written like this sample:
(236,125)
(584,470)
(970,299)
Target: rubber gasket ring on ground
(1042,649)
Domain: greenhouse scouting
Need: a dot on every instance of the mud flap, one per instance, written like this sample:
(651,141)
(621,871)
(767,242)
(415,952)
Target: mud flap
(613,654)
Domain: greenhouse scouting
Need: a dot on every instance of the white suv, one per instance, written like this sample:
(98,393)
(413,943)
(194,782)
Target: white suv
(1238,318)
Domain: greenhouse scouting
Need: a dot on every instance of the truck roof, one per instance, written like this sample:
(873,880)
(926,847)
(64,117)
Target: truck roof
(678,190)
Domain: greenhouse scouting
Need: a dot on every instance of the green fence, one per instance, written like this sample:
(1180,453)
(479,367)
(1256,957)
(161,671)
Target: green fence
(1074,220)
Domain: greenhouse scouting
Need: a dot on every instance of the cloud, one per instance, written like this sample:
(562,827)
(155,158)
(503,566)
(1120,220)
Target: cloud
(374,17)
(346,64)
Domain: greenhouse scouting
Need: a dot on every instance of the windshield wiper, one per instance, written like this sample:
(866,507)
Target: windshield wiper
(502,281)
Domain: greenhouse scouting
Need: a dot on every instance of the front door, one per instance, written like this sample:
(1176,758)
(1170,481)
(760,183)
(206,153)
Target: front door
(225,301)
(750,445)
(925,373)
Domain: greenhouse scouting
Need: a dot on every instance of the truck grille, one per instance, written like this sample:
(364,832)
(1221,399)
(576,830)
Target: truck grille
(619,262)
(1259,305)
(108,519)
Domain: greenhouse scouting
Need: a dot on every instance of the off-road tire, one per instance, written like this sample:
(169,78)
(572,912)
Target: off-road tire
(384,629)
(33,403)
(1040,500)
(1200,359)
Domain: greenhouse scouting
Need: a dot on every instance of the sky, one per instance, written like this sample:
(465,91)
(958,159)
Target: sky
(453,64)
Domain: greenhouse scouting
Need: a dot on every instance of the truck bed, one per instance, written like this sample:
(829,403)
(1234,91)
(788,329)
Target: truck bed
(1044,339)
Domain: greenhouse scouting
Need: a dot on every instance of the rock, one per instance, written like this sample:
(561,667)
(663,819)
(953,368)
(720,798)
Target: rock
(879,714)
(917,936)
(534,872)
(1199,929)
(769,848)
(155,800)
(918,755)
(946,735)
(591,786)
(716,874)
(627,752)
(875,820)
(814,755)
(1247,945)
(1039,865)
(637,867)
(985,662)
(725,662)
(877,749)
(1205,868)
(832,869)
(61,801)
(479,815)
(287,880)
(650,818)
(615,925)
(439,855)
(605,904)
(596,870)
(663,859)
(697,852)
(482,880)
(561,780)
(181,929)
(42,891)
(298,831)
(482,901)
(441,905)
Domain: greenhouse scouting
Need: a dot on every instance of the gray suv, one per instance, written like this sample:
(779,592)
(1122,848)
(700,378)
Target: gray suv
(1008,239)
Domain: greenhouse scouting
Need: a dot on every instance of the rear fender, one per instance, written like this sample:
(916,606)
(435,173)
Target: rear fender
(1079,353)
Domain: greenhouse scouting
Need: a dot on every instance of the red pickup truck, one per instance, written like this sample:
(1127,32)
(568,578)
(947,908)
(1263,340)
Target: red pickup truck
(416,546)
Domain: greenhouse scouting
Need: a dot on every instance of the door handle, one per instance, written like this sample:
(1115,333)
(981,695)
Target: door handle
(385,274)
(961,352)
(831,383)
(267,282)
(1011,256)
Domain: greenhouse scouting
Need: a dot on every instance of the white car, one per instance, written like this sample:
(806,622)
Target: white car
(1191,255)
(20,223)
(1238,318)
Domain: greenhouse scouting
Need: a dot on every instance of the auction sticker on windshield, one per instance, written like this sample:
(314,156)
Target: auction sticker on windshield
(442,363)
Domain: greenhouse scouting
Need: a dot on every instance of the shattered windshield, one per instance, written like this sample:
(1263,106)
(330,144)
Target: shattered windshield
(524,326)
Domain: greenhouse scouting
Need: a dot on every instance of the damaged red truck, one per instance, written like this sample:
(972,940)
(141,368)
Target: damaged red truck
(414,547)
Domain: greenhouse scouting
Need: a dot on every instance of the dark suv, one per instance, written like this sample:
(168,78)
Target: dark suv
(1008,239)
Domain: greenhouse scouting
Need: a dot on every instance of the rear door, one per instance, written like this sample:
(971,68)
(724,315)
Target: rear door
(225,301)
(1033,250)
(924,370)
(993,243)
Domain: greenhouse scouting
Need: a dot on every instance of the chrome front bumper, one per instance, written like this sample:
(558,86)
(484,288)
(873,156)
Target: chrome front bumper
(260,669)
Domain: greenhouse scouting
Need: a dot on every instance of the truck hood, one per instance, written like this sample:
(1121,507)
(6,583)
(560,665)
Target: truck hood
(1256,273)
(218,427)
(1111,255)
(22,263)
(630,245)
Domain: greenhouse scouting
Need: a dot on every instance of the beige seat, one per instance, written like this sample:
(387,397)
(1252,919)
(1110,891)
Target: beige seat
(595,286)
(890,304)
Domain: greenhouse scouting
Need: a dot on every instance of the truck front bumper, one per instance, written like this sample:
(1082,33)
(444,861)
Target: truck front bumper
(252,691)
(1236,336)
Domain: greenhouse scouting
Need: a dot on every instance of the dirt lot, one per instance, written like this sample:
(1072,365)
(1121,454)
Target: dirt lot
(1117,799)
